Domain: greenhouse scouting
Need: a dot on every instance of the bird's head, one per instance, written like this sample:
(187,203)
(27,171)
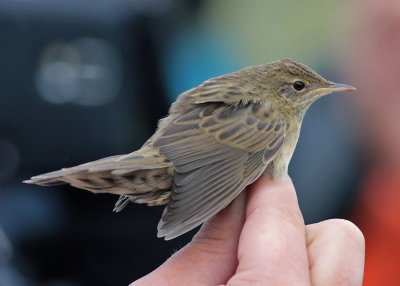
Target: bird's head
(294,83)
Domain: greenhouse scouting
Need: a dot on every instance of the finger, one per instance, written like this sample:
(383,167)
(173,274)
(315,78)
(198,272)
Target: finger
(336,250)
(272,246)
(211,257)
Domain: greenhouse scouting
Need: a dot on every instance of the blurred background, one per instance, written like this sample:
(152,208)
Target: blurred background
(82,80)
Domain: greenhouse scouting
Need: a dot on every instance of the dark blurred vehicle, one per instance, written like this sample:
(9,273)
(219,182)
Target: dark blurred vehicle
(79,81)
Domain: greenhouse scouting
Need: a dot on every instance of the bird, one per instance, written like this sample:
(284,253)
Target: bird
(218,138)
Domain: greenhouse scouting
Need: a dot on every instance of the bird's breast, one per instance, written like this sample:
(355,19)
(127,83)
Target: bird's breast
(281,161)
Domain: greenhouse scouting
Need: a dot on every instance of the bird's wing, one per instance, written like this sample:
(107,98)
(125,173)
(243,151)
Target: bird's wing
(216,151)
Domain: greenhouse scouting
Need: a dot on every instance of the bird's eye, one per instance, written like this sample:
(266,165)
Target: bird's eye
(298,85)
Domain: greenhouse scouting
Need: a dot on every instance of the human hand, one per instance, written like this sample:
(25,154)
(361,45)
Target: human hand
(263,241)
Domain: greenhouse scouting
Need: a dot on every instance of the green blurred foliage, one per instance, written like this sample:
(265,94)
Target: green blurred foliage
(259,31)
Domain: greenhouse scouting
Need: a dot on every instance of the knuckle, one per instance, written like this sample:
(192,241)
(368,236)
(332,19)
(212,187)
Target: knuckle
(348,230)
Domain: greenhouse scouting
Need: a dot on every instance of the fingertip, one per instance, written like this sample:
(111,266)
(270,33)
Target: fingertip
(267,189)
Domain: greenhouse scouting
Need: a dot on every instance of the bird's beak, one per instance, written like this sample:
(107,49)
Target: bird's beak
(333,87)
(337,87)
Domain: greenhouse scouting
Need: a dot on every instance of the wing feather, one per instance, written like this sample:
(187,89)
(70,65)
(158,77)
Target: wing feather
(216,151)
(202,174)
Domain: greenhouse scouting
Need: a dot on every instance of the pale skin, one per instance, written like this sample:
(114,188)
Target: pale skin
(262,240)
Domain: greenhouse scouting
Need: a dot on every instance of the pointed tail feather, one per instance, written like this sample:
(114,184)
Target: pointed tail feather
(142,176)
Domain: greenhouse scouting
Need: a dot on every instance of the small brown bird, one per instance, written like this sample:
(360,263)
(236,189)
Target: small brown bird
(219,137)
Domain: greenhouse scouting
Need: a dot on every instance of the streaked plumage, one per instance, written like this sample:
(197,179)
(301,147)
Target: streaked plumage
(219,137)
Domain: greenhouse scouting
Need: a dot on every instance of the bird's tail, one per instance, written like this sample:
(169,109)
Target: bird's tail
(142,176)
